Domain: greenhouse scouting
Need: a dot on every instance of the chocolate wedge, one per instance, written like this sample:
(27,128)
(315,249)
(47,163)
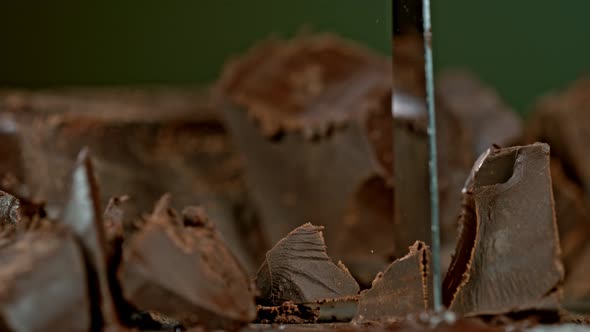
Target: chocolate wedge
(180,267)
(298,269)
(402,289)
(508,255)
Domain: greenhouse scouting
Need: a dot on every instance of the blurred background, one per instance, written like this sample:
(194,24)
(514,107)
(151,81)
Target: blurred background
(522,48)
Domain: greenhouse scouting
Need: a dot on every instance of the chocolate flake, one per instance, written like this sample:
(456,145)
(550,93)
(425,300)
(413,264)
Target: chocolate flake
(508,255)
(298,269)
(185,272)
(402,289)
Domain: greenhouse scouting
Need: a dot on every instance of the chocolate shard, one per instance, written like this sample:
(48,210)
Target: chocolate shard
(186,272)
(82,214)
(402,289)
(298,269)
(44,283)
(114,218)
(507,228)
(298,107)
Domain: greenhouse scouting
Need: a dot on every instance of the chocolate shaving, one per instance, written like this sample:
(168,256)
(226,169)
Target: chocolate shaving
(402,289)
(298,269)
(507,228)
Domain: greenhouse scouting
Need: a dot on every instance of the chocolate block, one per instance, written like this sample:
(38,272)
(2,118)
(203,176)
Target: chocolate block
(82,214)
(44,283)
(144,142)
(402,289)
(508,255)
(486,119)
(181,268)
(312,120)
(298,269)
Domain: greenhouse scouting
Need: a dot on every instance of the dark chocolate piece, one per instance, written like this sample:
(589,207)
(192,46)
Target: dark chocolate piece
(402,289)
(144,142)
(508,230)
(298,269)
(287,313)
(184,270)
(44,284)
(83,215)
(480,111)
(312,119)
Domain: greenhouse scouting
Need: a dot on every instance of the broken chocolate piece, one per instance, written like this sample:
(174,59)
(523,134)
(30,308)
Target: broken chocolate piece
(402,289)
(82,214)
(507,228)
(298,269)
(144,142)
(44,284)
(185,272)
(296,108)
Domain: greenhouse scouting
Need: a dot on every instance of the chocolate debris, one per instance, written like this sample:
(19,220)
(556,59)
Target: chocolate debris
(403,288)
(183,270)
(287,313)
(298,269)
(508,256)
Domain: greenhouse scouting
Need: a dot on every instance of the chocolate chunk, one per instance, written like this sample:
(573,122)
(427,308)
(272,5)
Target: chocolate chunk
(44,284)
(480,111)
(402,289)
(298,269)
(508,229)
(82,214)
(144,142)
(295,110)
(185,272)
(286,313)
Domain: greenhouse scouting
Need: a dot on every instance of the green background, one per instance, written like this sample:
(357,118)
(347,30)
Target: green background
(523,48)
